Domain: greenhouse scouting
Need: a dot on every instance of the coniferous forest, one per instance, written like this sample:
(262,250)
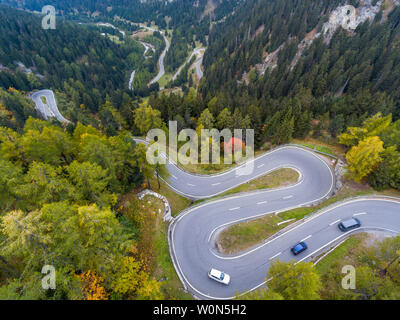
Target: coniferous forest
(71,191)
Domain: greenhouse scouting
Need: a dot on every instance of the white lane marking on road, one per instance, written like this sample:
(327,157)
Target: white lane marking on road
(192,185)
(342,236)
(231,209)
(215,184)
(233,222)
(334,222)
(261,165)
(174,177)
(308,237)
(178,266)
(300,180)
(359,214)
(315,216)
(262,202)
(273,257)
(286,221)
(287,197)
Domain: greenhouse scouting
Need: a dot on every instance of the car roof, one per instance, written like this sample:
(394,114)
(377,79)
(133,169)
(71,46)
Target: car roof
(299,246)
(349,222)
(215,273)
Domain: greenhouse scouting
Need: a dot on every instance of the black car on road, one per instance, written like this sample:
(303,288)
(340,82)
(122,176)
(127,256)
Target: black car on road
(349,224)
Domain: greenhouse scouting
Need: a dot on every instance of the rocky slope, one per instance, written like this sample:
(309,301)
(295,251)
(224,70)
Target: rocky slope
(346,17)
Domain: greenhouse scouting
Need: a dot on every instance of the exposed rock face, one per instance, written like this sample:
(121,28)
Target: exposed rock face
(345,16)
(270,61)
(349,17)
(340,171)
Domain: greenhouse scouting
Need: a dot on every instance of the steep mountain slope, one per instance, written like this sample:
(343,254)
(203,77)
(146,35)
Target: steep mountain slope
(73,58)
(326,55)
(290,39)
(189,21)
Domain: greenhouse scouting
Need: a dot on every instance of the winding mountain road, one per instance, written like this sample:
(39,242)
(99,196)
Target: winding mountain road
(48,109)
(147,47)
(192,234)
(161,68)
(199,53)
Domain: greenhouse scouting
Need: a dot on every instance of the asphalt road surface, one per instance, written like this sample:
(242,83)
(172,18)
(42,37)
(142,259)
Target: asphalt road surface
(199,53)
(161,68)
(193,232)
(48,109)
(198,67)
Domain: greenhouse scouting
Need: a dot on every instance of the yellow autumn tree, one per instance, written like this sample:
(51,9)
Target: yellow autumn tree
(92,286)
(150,290)
(130,277)
(371,127)
(146,118)
(363,158)
(133,282)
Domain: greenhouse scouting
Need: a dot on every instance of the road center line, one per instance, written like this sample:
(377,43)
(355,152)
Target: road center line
(273,257)
(215,184)
(308,237)
(359,214)
(261,165)
(174,177)
(192,185)
(286,221)
(262,202)
(231,209)
(287,197)
(334,222)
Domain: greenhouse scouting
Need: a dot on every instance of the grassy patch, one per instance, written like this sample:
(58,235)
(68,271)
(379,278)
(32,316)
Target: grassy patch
(201,168)
(44,100)
(165,79)
(176,201)
(333,149)
(349,190)
(343,252)
(242,236)
(319,148)
(277,178)
(164,270)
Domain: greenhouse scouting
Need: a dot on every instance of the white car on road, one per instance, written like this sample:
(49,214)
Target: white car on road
(219,276)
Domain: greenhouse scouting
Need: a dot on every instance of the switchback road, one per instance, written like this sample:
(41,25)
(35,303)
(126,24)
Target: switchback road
(193,233)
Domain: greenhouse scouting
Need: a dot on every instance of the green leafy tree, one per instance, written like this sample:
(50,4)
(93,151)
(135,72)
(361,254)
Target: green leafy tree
(124,161)
(261,294)
(51,145)
(91,183)
(387,173)
(373,126)
(224,119)
(370,286)
(68,237)
(146,169)
(161,172)
(11,146)
(10,179)
(363,158)
(337,125)
(146,118)
(42,184)
(206,119)
(294,281)
(80,130)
